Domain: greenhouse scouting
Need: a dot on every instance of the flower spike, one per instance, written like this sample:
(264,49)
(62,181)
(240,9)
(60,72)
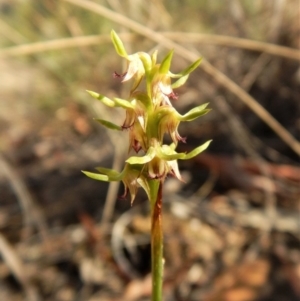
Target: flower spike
(149,116)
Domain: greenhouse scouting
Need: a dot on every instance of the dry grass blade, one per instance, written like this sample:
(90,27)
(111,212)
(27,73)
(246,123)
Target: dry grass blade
(218,76)
(10,33)
(16,266)
(58,44)
(228,41)
(112,193)
(32,213)
(83,41)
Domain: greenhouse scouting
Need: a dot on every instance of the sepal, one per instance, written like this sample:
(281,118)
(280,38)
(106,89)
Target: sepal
(187,70)
(194,113)
(144,159)
(166,63)
(125,104)
(120,49)
(107,101)
(146,61)
(184,75)
(109,124)
(97,176)
(180,82)
(197,150)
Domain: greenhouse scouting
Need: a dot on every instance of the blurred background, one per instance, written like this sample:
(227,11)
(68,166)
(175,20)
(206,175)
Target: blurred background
(231,229)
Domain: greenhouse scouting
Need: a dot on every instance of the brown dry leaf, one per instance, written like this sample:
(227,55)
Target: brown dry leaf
(224,281)
(78,119)
(142,223)
(240,294)
(292,273)
(138,288)
(204,239)
(92,271)
(82,125)
(66,294)
(253,273)
(241,282)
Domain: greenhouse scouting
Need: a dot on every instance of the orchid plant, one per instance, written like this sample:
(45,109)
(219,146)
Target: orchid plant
(149,116)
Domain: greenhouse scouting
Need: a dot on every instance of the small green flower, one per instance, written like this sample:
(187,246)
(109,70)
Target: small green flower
(162,90)
(137,63)
(137,138)
(135,69)
(161,160)
(168,120)
(137,109)
(132,177)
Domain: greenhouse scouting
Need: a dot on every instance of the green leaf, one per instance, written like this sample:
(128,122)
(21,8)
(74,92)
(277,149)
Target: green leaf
(120,49)
(96,176)
(197,150)
(123,103)
(109,124)
(142,160)
(195,113)
(107,101)
(166,63)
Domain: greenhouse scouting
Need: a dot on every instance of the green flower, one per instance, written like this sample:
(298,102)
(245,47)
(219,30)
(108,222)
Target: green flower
(161,86)
(168,120)
(137,138)
(136,108)
(131,176)
(161,160)
(137,63)
(157,163)
(135,70)
(162,90)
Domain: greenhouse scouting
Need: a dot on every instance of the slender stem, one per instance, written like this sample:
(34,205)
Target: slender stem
(156,239)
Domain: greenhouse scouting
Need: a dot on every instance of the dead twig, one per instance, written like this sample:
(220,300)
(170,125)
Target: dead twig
(259,65)
(18,269)
(32,213)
